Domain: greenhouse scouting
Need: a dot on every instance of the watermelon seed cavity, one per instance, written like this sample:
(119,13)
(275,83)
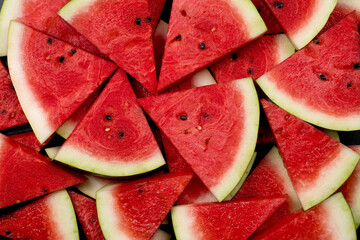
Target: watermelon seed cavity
(140,191)
(178,37)
(278,4)
(183,12)
(349,85)
(316,41)
(3,112)
(148,19)
(357,66)
(108,117)
(250,71)
(72,51)
(121,134)
(183,117)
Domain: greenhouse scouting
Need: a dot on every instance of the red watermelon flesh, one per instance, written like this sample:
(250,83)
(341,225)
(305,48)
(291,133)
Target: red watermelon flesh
(254,59)
(85,209)
(201,32)
(270,21)
(316,163)
(135,210)
(342,9)
(51,77)
(26,174)
(196,191)
(11,112)
(228,220)
(28,139)
(127,40)
(156,7)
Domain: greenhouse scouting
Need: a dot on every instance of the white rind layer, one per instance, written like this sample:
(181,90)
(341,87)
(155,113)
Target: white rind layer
(66,128)
(353,4)
(73,8)
(161,235)
(63,214)
(248,140)
(115,167)
(284,46)
(51,151)
(91,185)
(308,114)
(313,25)
(183,222)
(330,178)
(202,78)
(35,113)
(10,10)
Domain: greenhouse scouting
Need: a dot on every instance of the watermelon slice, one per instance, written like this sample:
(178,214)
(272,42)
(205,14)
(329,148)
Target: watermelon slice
(330,220)
(114,138)
(26,174)
(50,217)
(11,112)
(254,59)
(156,7)
(213,127)
(204,31)
(51,77)
(301,20)
(28,139)
(324,91)
(228,220)
(94,183)
(134,210)
(316,163)
(270,21)
(127,40)
(41,15)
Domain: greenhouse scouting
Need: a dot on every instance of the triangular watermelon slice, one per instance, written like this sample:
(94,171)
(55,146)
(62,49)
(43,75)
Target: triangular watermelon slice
(50,217)
(331,219)
(324,90)
(226,221)
(301,20)
(113,138)
(213,127)
(135,210)
(201,32)
(270,21)
(127,40)
(316,163)
(28,139)
(41,15)
(26,174)
(51,78)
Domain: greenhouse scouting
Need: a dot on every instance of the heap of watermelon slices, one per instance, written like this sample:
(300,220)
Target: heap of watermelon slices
(154,119)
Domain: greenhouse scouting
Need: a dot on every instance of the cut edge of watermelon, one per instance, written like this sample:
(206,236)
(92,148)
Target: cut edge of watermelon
(66,128)
(355,205)
(313,26)
(353,4)
(202,78)
(284,46)
(73,7)
(81,160)
(331,178)
(63,214)
(246,149)
(297,108)
(51,151)
(91,185)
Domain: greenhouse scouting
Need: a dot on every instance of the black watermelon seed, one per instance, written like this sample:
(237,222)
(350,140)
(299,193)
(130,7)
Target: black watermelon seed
(62,59)
(183,117)
(45,190)
(148,19)
(278,4)
(121,133)
(206,115)
(72,51)
(50,40)
(178,37)
(202,46)
(140,191)
(3,112)
(349,85)
(234,56)
(108,117)
(316,41)
(250,71)
(322,77)
(8,232)
(138,21)
(356,66)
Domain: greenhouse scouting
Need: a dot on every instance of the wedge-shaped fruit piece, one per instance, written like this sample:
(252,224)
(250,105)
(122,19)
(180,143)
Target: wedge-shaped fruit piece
(270,21)
(135,209)
(329,220)
(127,40)
(26,174)
(268,179)
(51,77)
(28,139)
(301,20)
(41,15)
(324,90)
(316,163)
(227,220)
(94,183)
(49,217)
(213,127)
(254,59)
(204,31)
(113,138)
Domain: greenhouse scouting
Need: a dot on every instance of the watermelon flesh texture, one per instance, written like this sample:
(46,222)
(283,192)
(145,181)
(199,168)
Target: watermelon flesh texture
(316,163)
(135,210)
(330,220)
(324,91)
(28,139)
(218,151)
(227,220)
(49,217)
(270,21)
(51,77)
(26,174)
(127,40)
(11,112)
(113,138)
(254,59)
(42,16)
(204,31)
(301,20)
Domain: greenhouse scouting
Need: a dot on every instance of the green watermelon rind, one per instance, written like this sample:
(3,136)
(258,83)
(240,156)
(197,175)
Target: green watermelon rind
(63,214)
(73,7)
(308,114)
(10,10)
(51,151)
(182,222)
(91,185)
(284,46)
(313,25)
(32,110)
